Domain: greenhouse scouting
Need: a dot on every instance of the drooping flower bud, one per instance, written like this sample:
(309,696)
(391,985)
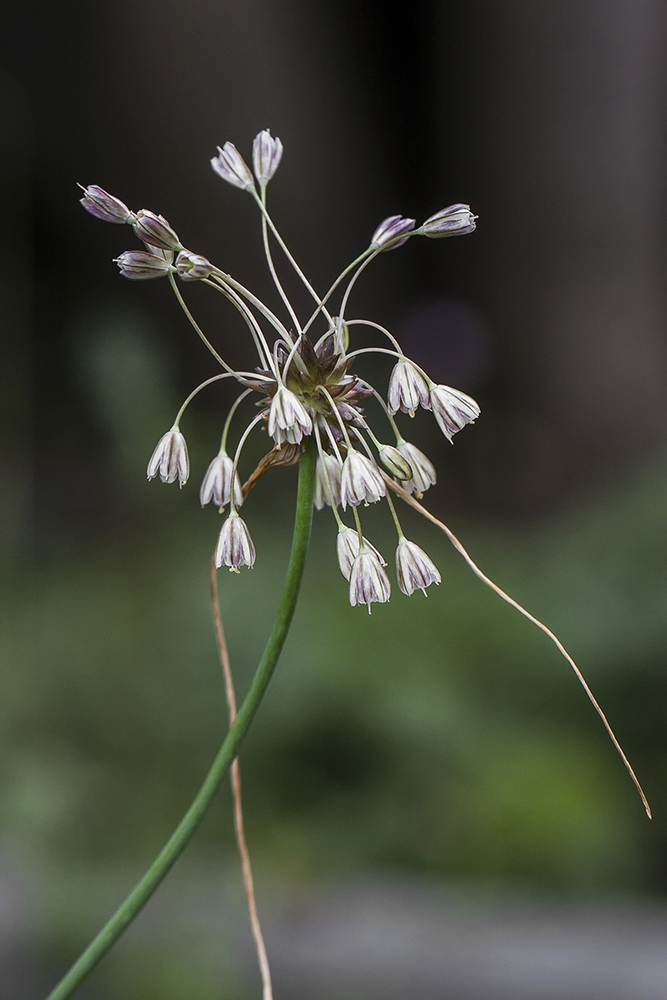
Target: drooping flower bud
(392,460)
(192,266)
(347,547)
(456,220)
(235,547)
(423,472)
(231,166)
(389,230)
(139,265)
(104,206)
(361,480)
(408,389)
(289,420)
(414,569)
(452,409)
(170,459)
(155,231)
(327,480)
(369,584)
(266,154)
(217,483)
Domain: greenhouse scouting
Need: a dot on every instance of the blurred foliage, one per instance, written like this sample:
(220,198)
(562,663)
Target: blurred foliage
(443,735)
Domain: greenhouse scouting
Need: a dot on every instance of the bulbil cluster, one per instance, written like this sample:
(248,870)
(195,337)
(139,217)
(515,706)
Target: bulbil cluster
(306,386)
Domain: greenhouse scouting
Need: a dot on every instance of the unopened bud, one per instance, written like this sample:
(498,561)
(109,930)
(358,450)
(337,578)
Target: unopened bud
(231,166)
(138,265)
(457,220)
(389,231)
(155,231)
(104,206)
(266,154)
(192,266)
(392,460)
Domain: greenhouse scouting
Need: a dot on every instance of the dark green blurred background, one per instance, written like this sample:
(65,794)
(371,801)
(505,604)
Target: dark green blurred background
(441,742)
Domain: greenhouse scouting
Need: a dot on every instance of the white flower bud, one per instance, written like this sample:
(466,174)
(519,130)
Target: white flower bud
(235,547)
(104,206)
(327,466)
(456,220)
(231,166)
(170,459)
(408,389)
(392,460)
(369,584)
(414,569)
(139,265)
(423,472)
(289,420)
(361,481)
(266,154)
(217,483)
(452,409)
(192,266)
(389,230)
(155,231)
(347,547)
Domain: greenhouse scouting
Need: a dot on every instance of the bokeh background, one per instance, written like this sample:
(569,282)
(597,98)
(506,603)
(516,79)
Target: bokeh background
(432,806)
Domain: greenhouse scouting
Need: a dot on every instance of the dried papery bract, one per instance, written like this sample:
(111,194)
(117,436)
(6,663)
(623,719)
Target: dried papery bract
(170,459)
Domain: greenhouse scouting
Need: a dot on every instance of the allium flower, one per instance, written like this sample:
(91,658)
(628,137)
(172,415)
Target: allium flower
(104,206)
(217,483)
(155,231)
(266,154)
(408,389)
(192,266)
(288,418)
(369,584)
(235,547)
(414,569)
(361,480)
(456,220)
(139,265)
(170,459)
(452,409)
(392,460)
(232,167)
(423,472)
(388,231)
(347,548)
(324,485)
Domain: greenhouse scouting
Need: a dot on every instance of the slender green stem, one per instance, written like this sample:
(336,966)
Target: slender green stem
(229,750)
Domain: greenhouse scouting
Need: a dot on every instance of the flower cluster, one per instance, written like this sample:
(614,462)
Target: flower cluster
(305,383)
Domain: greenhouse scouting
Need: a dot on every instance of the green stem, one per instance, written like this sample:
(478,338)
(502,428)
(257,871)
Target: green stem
(229,750)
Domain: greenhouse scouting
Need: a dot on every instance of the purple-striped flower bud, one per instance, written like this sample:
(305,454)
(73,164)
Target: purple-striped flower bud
(170,459)
(369,584)
(139,265)
(155,231)
(104,206)
(327,480)
(231,166)
(235,547)
(266,154)
(192,266)
(389,230)
(288,420)
(452,409)
(408,389)
(347,548)
(361,481)
(423,472)
(414,569)
(392,460)
(457,220)
(217,483)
